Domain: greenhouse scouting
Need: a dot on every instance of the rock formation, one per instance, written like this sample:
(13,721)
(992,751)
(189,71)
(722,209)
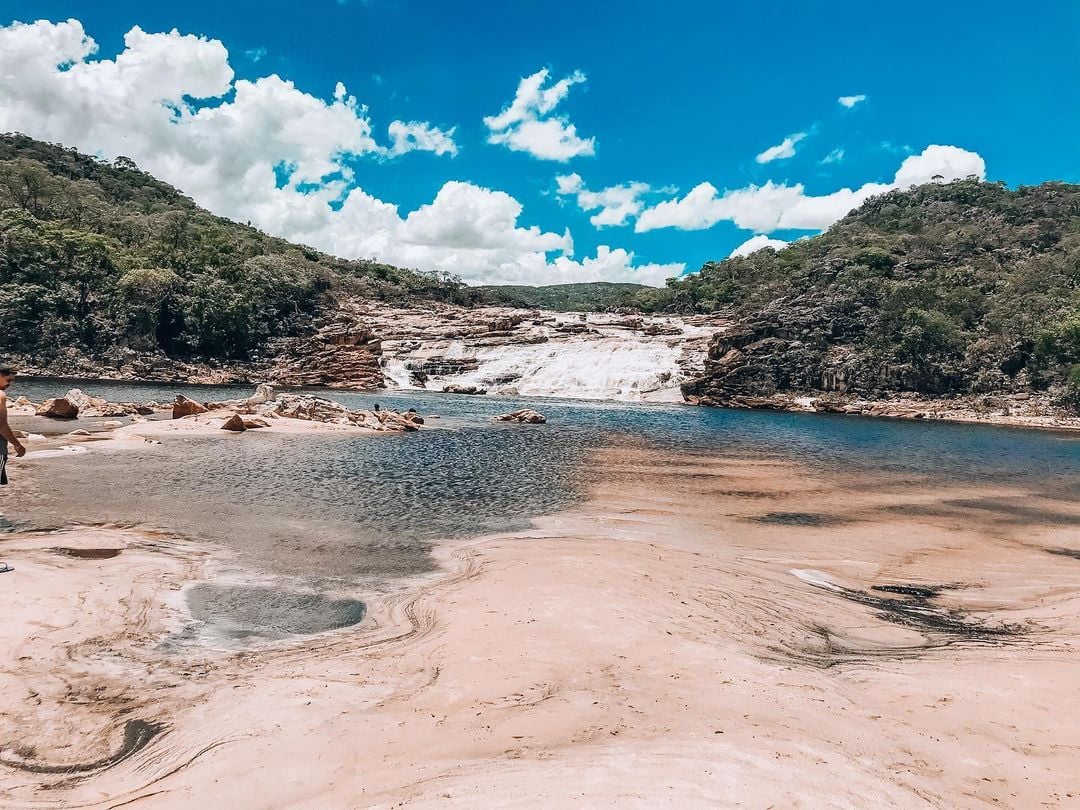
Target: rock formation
(183,406)
(523,415)
(58,408)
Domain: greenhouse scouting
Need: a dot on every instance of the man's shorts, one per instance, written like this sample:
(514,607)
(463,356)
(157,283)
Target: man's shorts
(3,468)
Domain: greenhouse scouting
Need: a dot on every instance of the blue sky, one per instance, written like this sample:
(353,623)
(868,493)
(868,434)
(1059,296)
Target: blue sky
(671,98)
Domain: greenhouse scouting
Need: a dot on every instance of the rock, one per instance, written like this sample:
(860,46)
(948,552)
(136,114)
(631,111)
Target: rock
(235,423)
(110,409)
(58,408)
(254,422)
(186,407)
(79,432)
(463,389)
(311,409)
(82,401)
(264,393)
(23,402)
(524,415)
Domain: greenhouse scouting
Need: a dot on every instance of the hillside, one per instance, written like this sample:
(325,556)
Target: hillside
(596,296)
(99,259)
(942,290)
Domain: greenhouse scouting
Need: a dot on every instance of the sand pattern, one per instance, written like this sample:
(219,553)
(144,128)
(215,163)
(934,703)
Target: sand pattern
(703,631)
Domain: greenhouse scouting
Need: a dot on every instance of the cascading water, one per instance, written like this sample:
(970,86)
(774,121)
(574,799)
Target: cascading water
(600,358)
(615,368)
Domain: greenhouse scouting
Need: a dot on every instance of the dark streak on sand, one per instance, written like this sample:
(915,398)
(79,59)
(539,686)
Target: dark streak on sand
(798,519)
(137,735)
(907,605)
(88,553)
(1065,552)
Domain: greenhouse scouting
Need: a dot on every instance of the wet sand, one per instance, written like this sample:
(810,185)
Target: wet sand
(702,631)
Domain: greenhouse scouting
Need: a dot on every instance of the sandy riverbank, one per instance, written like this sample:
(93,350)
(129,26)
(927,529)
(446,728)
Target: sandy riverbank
(703,631)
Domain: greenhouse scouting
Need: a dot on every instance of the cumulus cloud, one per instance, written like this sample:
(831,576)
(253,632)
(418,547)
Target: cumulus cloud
(616,204)
(850,101)
(783,150)
(776,206)
(229,151)
(758,242)
(528,123)
(421,136)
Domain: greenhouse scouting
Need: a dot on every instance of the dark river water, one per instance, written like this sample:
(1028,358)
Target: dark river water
(334,513)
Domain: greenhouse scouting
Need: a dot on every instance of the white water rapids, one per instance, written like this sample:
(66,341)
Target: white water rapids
(606,363)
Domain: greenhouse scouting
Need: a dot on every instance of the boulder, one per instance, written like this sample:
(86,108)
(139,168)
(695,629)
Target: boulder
(58,408)
(79,432)
(255,422)
(186,407)
(84,402)
(524,415)
(463,389)
(264,393)
(235,423)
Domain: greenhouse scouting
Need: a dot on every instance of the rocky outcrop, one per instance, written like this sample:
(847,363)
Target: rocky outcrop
(58,408)
(183,406)
(90,406)
(523,415)
(343,352)
(463,389)
(317,409)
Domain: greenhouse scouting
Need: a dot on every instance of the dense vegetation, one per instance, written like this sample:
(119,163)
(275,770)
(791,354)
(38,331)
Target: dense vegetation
(945,288)
(594,296)
(97,255)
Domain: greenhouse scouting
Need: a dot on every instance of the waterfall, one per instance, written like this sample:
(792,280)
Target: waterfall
(599,359)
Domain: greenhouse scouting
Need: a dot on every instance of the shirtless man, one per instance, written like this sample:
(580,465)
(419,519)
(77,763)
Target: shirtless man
(7,435)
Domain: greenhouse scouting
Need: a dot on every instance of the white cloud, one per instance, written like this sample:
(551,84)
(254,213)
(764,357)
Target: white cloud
(850,101)
(757,242)
(950,162)
(255,54)
(421,136)
(223,153)
(783,150)
(774,206)
(617,204)
(527,124)
(835,156)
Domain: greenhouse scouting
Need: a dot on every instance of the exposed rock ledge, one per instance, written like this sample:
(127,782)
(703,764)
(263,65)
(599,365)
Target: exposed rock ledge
(366,345)
(1015,410)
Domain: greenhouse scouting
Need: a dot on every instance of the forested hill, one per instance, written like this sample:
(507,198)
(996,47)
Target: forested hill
(97,255)
(956,288)
(596,296)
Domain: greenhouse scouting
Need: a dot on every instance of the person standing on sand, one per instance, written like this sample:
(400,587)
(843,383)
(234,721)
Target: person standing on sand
(7,435)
